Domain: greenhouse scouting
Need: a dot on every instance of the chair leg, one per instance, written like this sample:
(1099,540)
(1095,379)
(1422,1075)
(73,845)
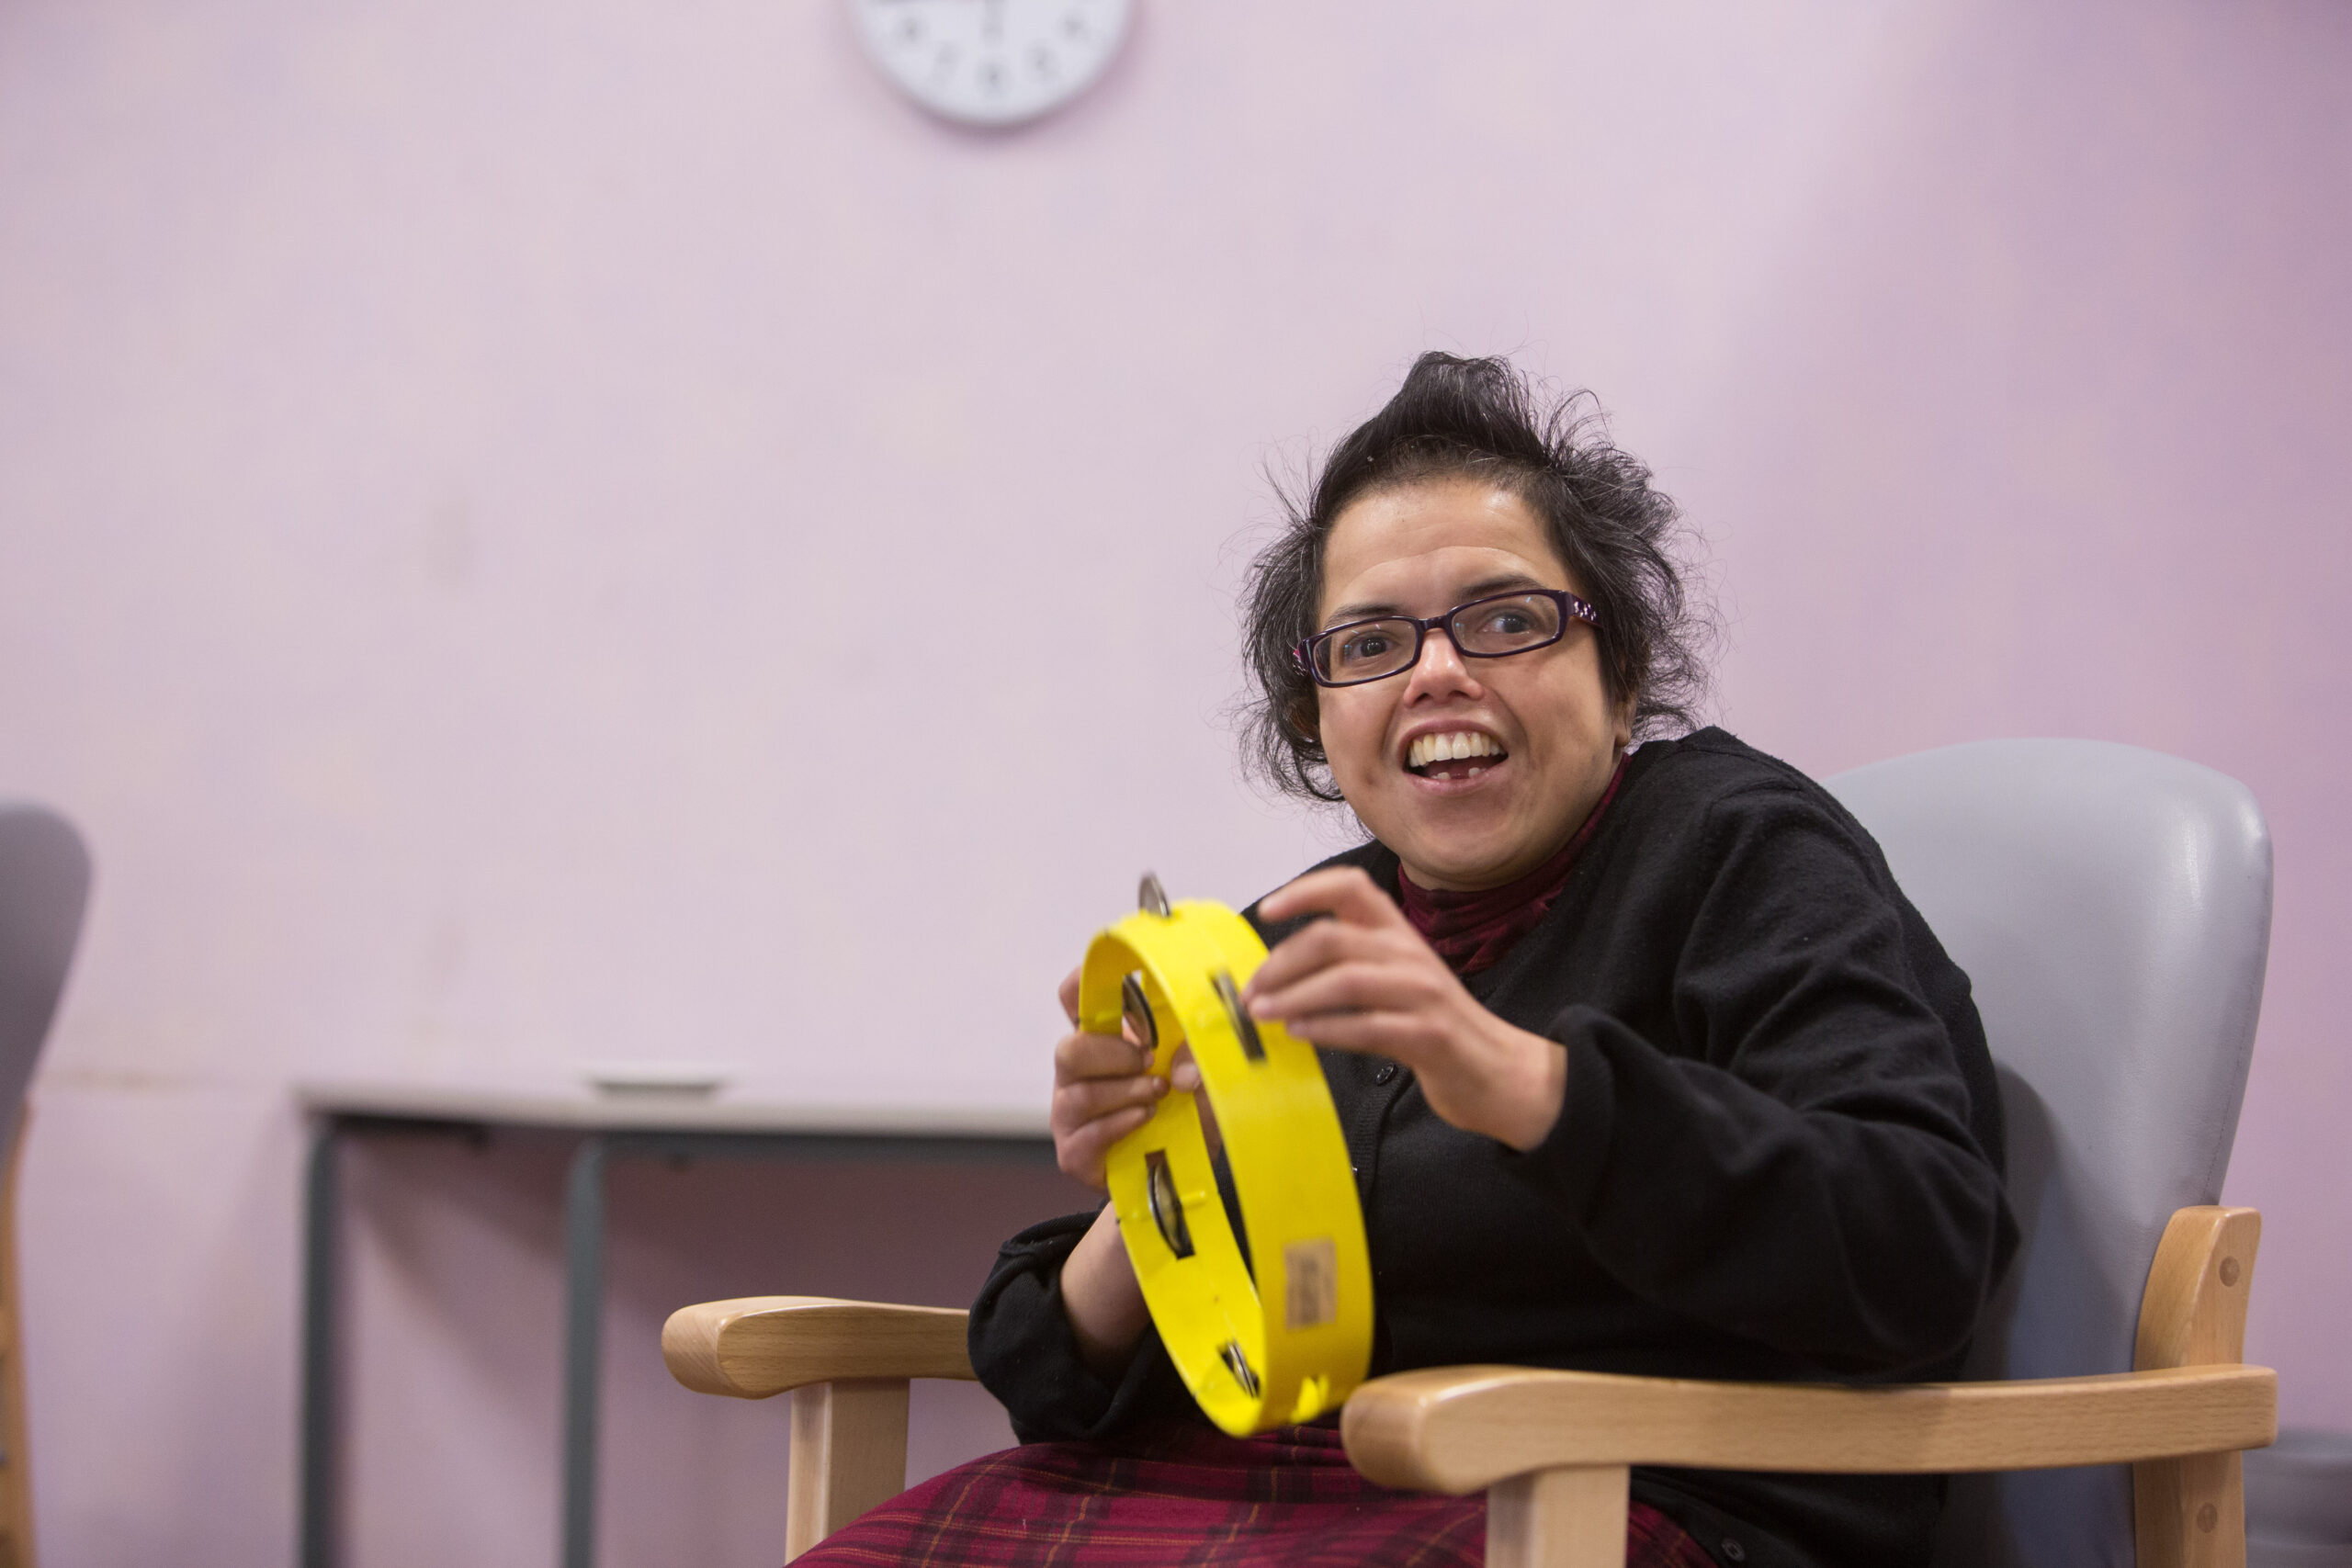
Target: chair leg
(849,1452)
(2191,1513)
(15,1484)
(1558,1518)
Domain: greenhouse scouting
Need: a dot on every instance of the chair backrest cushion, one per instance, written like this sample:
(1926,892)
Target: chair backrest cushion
(44,884)
(2111,906)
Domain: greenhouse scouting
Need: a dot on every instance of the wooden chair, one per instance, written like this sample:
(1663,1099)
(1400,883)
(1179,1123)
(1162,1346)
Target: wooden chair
(44,886)
(2112,907)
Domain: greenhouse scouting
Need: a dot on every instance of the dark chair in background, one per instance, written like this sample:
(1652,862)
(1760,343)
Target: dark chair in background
(44,886)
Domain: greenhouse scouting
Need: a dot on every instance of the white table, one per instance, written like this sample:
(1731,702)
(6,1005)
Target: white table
(635,1123)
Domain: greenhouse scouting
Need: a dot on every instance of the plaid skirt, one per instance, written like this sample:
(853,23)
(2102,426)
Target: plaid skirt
(1173,1493)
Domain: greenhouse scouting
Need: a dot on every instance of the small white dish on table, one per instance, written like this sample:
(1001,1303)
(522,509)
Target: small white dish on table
(696,1080)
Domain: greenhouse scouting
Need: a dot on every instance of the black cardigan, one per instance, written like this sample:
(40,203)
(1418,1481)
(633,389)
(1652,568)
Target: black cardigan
(1779,1157)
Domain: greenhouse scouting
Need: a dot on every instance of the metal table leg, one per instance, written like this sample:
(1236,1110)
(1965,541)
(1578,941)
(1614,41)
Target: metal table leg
(583,1246)
(583,1225)
(321,1218)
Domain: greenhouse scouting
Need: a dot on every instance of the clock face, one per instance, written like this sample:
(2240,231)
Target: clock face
(991,61)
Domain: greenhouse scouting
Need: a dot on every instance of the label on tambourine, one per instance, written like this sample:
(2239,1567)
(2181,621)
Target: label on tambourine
(1312,1268)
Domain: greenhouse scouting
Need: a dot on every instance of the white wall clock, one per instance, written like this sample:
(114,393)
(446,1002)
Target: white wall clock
(991,61)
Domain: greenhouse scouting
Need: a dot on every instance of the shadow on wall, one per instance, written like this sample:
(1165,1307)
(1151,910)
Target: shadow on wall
(454,1336)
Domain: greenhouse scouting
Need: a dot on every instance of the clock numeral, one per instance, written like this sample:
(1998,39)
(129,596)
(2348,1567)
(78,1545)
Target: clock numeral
(992,75)
(1042,61)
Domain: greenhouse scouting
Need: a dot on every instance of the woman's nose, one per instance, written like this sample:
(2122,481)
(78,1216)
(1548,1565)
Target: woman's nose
(1441,667)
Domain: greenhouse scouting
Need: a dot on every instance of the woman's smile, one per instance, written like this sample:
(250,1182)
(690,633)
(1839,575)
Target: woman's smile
(1449,755)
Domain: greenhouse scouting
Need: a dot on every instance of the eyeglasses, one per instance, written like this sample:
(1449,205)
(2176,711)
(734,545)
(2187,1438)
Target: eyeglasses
(1484,628)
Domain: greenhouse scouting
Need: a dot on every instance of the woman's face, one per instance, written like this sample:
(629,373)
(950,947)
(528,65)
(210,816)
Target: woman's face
(1550,733)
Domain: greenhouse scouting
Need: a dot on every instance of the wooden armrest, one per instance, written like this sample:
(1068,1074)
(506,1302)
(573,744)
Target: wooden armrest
(1459,1429)
(756,1346)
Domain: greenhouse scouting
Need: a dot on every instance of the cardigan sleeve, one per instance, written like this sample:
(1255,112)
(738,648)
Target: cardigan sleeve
(1799,1168)
(1026,1354)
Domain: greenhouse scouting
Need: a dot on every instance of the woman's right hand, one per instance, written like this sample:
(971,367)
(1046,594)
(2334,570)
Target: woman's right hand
(1103,1089)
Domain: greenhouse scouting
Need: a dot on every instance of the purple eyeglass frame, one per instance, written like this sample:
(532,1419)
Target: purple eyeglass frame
(1571,608)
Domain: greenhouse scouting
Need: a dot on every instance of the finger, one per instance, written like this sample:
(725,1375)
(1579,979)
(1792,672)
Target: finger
(1356,985)
(1076,1104)
(1184,1074)
(1069,997)
(1098,1056)
(1347,892)
(1324,943)
(1083,1152)
(1397,1035)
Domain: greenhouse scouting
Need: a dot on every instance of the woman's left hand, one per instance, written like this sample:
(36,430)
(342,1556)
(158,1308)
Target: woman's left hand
(1364,980)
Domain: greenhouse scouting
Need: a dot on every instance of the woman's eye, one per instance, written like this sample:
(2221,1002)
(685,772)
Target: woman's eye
(1369,646)
(1506,623)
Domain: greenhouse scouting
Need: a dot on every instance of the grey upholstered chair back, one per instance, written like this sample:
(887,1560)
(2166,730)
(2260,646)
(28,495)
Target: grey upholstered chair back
(44,882)
(2112,908)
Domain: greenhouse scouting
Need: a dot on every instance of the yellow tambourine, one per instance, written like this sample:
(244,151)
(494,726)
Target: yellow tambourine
(1294,1343)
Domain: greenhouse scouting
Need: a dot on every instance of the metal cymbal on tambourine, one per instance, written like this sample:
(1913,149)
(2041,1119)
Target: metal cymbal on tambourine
(1294,1341)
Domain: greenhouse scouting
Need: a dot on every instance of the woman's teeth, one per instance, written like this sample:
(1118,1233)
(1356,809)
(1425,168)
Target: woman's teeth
(1454,747)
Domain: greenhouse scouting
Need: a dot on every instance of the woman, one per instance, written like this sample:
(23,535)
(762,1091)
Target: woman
(1645,1063)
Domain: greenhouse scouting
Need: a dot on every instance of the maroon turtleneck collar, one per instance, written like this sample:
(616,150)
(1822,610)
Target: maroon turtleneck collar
(1473,930)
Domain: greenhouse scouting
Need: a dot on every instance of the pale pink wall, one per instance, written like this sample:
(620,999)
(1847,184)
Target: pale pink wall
(437,440)
(2044,433)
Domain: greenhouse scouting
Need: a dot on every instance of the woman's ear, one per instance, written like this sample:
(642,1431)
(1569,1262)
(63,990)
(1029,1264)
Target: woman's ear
(1306,717)
(1621,728)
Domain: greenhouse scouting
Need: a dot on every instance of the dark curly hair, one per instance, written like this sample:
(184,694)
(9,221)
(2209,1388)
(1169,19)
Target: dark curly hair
(1479,419)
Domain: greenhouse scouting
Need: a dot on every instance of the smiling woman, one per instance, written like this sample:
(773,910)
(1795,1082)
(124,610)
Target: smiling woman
(1475,753)
(1645,1063)
(1595,518)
